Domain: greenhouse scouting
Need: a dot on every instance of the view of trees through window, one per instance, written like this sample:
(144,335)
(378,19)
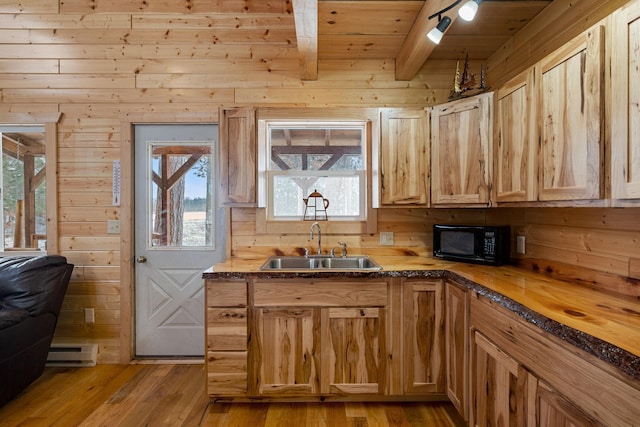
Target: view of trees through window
(24,204)
(182,214)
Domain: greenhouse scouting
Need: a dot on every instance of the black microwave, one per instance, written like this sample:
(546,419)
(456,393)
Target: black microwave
(472,243)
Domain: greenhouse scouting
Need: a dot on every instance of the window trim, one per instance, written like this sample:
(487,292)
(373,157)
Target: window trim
(50,122)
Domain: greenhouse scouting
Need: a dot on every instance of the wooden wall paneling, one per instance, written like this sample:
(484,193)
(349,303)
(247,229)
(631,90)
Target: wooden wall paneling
(79,185)
(84,198)
(244,20)
(223,68)
(29,6)
(168,6)
(33,66)
(87,213)
(61,21)
(57,81)
(92,257)
(340,97)
(100,95)
(150,36)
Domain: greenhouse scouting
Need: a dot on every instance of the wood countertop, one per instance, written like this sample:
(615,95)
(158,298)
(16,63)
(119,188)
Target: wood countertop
(604,324)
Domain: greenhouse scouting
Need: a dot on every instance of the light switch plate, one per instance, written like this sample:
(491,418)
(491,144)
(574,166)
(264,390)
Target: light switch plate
(386,238)
(520,245)
(89,315)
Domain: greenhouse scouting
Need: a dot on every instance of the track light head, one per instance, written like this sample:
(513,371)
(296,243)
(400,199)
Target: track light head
(469,9)
(436,34)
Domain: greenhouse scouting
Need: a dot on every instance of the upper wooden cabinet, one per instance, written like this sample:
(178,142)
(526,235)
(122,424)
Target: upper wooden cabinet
(237,157)
(625,94)
(516,141)
(548,137)
(404,157)
(461,133)
(570,102)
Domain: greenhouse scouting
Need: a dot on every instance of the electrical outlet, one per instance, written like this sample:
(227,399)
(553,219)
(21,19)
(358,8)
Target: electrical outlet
(386,238)
(520,245)
(113,226)
(89,315)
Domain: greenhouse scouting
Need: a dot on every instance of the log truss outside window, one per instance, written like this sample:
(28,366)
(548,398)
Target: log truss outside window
(300,157)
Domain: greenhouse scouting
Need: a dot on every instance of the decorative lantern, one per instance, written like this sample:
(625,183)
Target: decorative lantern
(315,207)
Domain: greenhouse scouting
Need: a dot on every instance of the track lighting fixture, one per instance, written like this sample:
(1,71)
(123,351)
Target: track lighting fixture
(469,9)
(467,12)
(436,34)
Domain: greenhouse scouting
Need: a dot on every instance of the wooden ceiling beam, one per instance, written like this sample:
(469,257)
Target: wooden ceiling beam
(417,47)
(305,13)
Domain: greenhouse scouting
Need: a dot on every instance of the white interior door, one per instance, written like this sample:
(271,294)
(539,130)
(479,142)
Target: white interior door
(179,233)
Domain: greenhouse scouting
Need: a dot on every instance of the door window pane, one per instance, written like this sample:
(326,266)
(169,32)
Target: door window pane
(181,194)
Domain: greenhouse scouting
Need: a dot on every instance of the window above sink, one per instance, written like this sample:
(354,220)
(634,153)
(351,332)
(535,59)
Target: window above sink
(303,154)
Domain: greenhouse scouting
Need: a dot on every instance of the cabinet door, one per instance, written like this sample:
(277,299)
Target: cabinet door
(625,96)
(457,346)
(498,386)
(571,105)
(516,141)
(237,152)
(556,411)
(404,153)
(226,338)
(424,342)
(285,352)
(353,351)
(460,151)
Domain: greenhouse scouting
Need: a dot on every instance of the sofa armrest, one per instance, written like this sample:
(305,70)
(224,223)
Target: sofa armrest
(11,316)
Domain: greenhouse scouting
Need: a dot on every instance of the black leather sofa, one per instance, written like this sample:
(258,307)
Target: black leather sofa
(31,294)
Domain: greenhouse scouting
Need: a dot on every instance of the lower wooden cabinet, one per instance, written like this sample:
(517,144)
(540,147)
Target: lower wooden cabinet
(457,345)
(423,328)
(522,376)
(286,351)
(554,410)
(226,338)
(497,386)
(353,350)
(506,393)
(304,344)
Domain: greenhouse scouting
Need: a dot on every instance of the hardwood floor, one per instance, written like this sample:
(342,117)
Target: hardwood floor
(173,395)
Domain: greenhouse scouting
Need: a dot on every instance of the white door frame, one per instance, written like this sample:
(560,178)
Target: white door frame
(127,252)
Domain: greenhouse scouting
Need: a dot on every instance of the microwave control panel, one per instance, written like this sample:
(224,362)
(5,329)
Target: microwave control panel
(490,243)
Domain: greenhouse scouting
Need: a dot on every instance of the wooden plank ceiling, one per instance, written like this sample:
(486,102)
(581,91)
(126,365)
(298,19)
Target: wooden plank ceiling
(396,29)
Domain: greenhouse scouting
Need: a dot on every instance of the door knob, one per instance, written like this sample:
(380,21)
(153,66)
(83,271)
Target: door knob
(141,259)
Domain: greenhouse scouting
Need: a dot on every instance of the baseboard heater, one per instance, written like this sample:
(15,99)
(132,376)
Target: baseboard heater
(72,355)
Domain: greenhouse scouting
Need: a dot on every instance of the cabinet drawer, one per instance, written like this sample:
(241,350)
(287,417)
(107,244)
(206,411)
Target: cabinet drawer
(226,294)
(320,293)
(227,373)
(226,329)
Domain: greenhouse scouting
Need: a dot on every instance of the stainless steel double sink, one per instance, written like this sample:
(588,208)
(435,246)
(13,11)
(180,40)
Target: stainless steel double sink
(321,262)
